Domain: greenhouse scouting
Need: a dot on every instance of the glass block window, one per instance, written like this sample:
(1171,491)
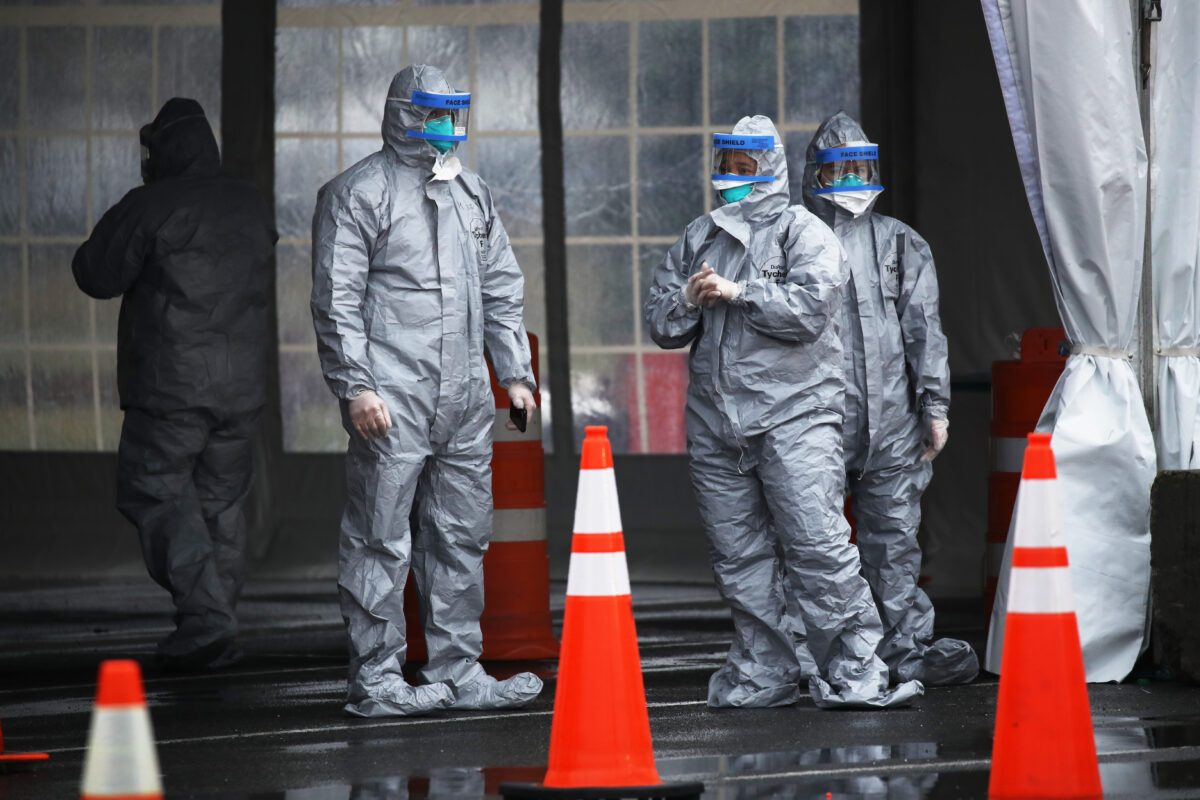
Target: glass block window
(641,98)
(645,83)
(76,84)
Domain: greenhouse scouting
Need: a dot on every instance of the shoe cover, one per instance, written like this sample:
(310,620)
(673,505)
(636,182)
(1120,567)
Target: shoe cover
(726,691)
(485,692)
(398,699)
(170,657)
(232,655)
(947,662)
(825,696)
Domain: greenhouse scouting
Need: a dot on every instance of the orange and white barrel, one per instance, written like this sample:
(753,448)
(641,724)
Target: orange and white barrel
(516,570)
(1020,390)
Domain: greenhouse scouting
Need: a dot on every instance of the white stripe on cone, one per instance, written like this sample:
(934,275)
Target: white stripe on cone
(1039,524)
(1039,516)
(533,431)
(597,575)
(121,760)
(1040,590)
(1008,454)
(519,525)
(597,509)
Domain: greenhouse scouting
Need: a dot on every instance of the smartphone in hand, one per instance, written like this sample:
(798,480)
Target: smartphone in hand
(519,417)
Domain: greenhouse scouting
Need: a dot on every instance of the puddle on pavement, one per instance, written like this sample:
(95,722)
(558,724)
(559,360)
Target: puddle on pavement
(1158,764)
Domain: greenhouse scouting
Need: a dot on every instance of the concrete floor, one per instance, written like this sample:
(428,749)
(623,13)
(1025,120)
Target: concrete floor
(273,727)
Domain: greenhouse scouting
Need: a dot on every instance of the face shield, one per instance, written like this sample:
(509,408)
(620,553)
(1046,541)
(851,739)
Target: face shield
(849,167)
(848,175)
(735,161)
(445,118)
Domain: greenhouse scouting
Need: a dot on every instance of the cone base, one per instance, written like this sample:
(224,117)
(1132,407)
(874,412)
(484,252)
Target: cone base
(666,791)
(1043,745)
(13,762)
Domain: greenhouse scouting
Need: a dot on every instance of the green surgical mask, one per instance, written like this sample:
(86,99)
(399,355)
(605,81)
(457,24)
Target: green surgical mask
(737,193)
(849,181)
(443,126)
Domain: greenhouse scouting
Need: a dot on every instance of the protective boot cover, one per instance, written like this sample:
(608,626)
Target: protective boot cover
(395,697)
(483,692)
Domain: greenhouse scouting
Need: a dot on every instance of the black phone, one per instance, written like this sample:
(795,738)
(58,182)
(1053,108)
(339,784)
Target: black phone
(519,417)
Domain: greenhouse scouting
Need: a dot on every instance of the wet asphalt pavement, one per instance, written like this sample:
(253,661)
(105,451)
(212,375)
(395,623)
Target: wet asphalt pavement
(273,727)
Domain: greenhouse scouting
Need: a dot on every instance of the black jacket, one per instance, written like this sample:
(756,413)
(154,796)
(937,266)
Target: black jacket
(190,253)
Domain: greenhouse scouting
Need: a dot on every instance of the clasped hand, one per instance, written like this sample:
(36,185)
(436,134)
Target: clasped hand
(706,288)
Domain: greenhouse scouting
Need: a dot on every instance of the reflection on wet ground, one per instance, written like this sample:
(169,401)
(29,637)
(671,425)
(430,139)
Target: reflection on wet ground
(1157,760)
(273,727)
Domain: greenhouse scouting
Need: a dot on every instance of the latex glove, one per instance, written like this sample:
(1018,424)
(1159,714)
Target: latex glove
(937,433)
(369,415)
(691,291)
(714,288)
(520,396)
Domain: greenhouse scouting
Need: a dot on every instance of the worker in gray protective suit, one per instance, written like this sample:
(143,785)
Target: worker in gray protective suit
(754,288)
(897,395)
(413,278)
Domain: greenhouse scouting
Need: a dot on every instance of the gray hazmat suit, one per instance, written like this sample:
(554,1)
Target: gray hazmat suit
(764,414)
(897,378)
(412,279)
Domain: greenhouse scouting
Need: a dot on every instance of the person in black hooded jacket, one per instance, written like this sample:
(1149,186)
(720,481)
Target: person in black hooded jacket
(189,255)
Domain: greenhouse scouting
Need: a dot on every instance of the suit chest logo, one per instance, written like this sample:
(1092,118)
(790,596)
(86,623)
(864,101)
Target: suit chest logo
(774,270)
(480,234)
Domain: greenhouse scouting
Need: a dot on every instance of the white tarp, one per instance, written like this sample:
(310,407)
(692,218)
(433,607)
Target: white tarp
(1068,76)
(1175,230)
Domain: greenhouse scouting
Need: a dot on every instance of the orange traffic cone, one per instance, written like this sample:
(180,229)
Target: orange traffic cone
(600,737)
(13,759)
(1044,745)
(121,761)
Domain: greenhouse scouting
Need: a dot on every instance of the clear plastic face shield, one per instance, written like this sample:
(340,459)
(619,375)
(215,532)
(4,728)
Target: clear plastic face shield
(848,167)
(848,175)
(445,118)
(735,164)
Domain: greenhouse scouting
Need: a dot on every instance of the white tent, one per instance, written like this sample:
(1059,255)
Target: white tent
(1071,78)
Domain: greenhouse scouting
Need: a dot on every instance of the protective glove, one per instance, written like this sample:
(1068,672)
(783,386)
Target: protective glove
(520,396)
(714,288)
(369,415)
(692,289)
(937,432)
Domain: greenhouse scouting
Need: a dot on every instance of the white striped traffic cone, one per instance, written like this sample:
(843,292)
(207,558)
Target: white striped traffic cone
(600,742)
(121,760)
(1043,744)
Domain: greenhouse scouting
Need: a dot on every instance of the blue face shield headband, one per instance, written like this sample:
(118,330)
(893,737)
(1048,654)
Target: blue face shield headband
(850,168)
(754,146)
(731,186)
(446,117)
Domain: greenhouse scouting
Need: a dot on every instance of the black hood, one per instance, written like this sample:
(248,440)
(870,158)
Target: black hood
(180,142)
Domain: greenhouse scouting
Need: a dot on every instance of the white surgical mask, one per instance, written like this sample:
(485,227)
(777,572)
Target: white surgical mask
(856,202)
(446,168)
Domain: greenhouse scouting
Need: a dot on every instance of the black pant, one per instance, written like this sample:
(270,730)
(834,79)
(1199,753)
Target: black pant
(182,479)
